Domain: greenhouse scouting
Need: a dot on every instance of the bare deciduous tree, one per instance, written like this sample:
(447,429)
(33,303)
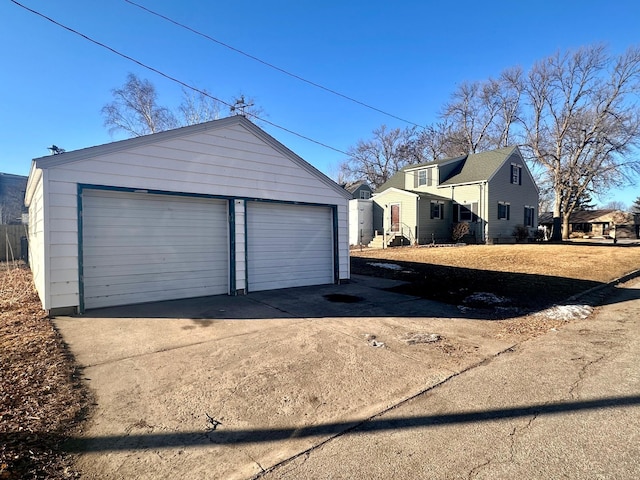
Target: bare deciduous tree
(198,107)
(582,123)
(615,205)
(135,109)
(377,159)
(481,115)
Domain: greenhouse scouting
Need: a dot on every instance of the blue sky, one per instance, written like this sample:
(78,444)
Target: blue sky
(403,57)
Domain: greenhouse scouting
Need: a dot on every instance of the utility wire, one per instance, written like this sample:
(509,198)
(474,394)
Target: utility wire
(270,65)
(173,79)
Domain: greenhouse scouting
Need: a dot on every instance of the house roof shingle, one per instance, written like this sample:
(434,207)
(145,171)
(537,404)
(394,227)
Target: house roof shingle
(353,186)
(478,167)
(475,167)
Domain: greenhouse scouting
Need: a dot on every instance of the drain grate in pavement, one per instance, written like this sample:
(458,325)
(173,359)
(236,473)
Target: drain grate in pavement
(342,298)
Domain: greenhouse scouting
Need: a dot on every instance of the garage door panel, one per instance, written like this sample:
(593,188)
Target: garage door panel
(141,247)
(145,264)
(147,273)
(147,283)
(288,245)
(150,296)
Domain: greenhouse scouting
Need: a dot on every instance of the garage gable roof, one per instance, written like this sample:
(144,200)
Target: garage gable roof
(114,147)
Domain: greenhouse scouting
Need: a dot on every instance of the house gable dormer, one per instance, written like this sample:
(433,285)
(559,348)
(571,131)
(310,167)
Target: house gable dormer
(422,178)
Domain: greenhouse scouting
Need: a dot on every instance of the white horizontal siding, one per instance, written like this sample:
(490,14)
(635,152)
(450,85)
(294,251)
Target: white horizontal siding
(200,165)
(37,257)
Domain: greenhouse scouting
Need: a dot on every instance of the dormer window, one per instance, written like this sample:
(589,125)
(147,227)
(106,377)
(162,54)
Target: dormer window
(423,177)
(365,194)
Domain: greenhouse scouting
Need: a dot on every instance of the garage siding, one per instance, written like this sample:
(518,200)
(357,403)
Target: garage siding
(140,247)
(228,158)
(288,245)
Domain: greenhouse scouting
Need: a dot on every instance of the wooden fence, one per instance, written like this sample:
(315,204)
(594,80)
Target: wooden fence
(12,243)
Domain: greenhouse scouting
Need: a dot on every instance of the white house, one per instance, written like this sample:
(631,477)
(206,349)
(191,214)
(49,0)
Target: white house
(215,208)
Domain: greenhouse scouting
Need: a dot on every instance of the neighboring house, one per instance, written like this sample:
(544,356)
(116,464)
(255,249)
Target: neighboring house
(360,212)
(597,223)
(494,192)
(13,230)
(215,208)
(12,188)
(358,190)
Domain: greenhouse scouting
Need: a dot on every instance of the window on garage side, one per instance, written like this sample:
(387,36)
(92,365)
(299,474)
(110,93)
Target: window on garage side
(437,209)
(529,213)
(503,210)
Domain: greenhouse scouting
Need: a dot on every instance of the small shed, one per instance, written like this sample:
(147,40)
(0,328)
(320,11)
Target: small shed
(215,208)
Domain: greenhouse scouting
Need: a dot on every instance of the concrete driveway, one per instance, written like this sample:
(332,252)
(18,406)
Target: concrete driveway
(227,387)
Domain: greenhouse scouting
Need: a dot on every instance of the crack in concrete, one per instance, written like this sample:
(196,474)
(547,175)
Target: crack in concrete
(358,424)
(582,374)
(515,433)
(475,470)
(262,470)
(187,345)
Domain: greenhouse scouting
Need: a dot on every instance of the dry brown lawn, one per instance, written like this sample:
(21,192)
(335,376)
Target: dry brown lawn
(41,396)
(531,275)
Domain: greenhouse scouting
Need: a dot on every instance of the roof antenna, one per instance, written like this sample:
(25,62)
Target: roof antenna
(55,150)
(240,106)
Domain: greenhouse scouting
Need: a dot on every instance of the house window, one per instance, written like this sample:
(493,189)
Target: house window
(528,216)
(468,212)
(423,177)
(516,174)
(365,194)
(503,210)
(437,209)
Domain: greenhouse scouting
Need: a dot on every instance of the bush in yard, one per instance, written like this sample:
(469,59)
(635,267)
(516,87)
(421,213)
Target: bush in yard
(459,230)
(521,233)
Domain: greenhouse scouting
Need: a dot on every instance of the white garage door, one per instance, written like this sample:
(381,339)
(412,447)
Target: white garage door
(288,245)
(140,247)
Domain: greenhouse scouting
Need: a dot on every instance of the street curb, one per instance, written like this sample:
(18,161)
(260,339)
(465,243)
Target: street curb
(612,283)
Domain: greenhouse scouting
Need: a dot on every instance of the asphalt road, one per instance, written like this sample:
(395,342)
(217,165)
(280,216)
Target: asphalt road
(563,405)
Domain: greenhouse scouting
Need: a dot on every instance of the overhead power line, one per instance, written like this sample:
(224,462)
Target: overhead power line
(270,65)
(173,79)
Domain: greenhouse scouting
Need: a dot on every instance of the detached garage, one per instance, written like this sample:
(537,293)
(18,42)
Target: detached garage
(215,208)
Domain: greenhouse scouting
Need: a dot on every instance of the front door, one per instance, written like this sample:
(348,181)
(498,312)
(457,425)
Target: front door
(395,217)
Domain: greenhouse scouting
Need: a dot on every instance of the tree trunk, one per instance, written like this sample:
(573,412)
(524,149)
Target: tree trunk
(565,227)
(556,231)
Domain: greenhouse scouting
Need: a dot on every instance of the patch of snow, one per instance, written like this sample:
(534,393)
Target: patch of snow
(567,312)
(485,298)
(388,266)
